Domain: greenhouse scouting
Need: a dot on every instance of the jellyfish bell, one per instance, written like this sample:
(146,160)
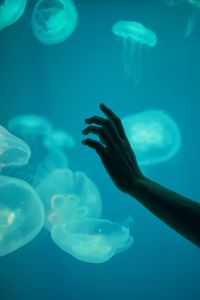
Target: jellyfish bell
(53,21)
(135,36)
(77,195)
(28,126)
(21,214)
(58,139)
(11,11)
(135,31)
(55,160)
(154,136)
(13,151)
(92,240)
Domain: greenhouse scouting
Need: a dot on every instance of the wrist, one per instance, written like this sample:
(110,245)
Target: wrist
(137,186)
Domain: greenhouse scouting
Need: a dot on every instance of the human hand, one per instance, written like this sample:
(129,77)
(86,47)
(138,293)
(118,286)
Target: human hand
(114,149)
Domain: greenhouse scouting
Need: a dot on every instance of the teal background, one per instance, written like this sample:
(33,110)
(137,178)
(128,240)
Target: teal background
(66,83)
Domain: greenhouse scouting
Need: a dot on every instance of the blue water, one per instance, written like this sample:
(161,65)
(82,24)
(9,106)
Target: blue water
(66,83)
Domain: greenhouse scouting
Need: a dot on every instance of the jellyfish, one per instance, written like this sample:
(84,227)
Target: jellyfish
(92,240)
(53,21)
(58,139)
(11,11)
(13,151)
(135,36)
(67,196)
(21,214)
(154,136)
(172,2)
(32,128)
(29,126)
(55,160)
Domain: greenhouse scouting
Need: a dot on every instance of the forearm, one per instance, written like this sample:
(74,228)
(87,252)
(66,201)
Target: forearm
(180,213)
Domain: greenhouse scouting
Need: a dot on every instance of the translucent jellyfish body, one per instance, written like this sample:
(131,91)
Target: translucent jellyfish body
(28,126)
(135,36)
(172,2)
(55,160)
(58,139)
(13,151)
(92,240)
(68,196)
(53,21)
(11,11)
(154,136)
(21,214)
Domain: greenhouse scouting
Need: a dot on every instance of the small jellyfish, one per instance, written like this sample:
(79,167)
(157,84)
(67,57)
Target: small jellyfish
(28,126)
(13,151)
(154,136)
(53,21)
(59,139)
(67,196)
(21,214)
(92,240)
(11,11)
(55,160)
(135,36)
(172,2)
(32,128)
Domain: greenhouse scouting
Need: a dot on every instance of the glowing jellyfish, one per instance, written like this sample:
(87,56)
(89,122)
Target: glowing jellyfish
(53,21)
(13,151)
(154,136)
(135,36)
(11,11)
(68,196)
(172,2)
(57,159)
(58,139)
(29,126)
(21,214)
(92,240)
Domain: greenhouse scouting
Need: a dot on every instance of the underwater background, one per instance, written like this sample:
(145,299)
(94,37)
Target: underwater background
(66,83)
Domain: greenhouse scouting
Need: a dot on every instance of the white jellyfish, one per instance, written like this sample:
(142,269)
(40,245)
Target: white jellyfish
(58,139)
(11,11)
(55,160)
(92,240)
(135,36)
(13,151)
(154,136)
(29,126)
(67,196)
(53,21)
(21,214)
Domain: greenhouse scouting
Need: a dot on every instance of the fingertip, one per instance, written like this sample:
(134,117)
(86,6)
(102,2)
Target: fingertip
(83,142)
(86,121)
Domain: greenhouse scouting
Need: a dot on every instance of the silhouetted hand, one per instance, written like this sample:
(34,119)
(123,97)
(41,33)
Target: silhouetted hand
(114,149)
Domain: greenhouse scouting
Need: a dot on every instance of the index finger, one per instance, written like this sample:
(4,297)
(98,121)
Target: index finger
(108,112)
(114,118)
